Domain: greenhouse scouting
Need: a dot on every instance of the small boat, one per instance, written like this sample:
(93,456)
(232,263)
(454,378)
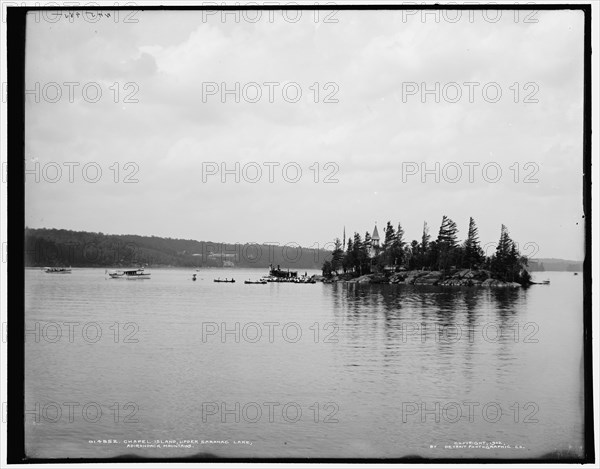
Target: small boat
(575,273)
(57,270)
(259,282)
(134,274)
(279,275)
(546,282)
(306,279)
(194,277)
(218,280)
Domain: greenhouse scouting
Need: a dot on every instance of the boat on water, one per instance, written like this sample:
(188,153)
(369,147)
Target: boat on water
(286,276)
(279,280)
(218,280)
(133,274)
(280,275)
(575,273)
(546,282)
(258,282)
(308,280)
(57,270)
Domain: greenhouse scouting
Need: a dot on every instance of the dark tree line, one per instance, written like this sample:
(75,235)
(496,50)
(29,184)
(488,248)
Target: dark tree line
(53,247)
(444,253)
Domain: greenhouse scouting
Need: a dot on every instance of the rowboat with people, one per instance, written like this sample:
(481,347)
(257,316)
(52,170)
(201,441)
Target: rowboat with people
(57,270)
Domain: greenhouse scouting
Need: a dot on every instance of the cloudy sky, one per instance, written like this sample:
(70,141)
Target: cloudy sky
(361,115)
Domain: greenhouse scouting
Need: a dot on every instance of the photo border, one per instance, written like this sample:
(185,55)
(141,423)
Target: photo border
(16,37)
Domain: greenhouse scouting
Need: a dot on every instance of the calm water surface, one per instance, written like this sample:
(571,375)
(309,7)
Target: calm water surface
(306,370)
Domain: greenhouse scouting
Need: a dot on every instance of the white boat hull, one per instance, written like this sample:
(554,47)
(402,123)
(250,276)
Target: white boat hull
(137,274)
(138,277)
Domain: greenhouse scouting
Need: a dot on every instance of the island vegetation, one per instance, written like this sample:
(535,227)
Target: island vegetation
(440,261)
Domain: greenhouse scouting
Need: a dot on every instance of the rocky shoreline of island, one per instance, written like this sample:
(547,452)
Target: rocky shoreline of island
(457,278)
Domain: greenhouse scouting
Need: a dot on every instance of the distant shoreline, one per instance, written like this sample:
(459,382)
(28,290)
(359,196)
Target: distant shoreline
(59,248)
(167,267)
(174,267)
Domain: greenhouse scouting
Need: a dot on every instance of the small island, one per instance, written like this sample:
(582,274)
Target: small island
(443,261)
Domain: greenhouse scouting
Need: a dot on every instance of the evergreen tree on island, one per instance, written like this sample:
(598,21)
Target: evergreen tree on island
(426,254)
(387,255)
(357,250)
(507,263)
(398,247)
(425,237)
(365,254)
(447,243)
(337,256)
(413,255)
(348,261)
(473,254)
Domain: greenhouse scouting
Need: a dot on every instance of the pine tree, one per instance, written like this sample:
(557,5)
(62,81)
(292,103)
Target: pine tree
(425,237)
(415,260)
(398,254)
(425,254)
(326,269)
(348,262)
(473,254)
(447,242)
(432,255)
(387,254)
(513,263)
(504,261)
(390,236)
(365,254)
(447,233)
(357,249)
(337,255)
(367,243)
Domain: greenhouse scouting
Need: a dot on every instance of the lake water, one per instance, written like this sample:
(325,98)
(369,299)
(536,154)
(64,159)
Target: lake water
(285,370)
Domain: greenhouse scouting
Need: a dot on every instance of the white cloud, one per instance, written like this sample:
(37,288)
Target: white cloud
(369,133)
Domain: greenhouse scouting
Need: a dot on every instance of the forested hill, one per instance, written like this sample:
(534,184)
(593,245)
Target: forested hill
(561,265)
(52,247)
